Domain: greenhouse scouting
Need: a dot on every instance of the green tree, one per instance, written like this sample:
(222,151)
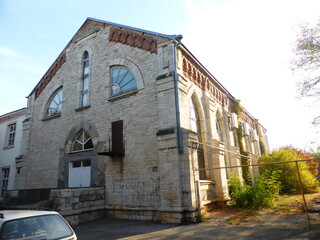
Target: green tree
(313,165)
(289,178)
(307,59)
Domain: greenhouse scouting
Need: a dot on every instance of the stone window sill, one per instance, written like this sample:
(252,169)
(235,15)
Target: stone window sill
(79,109)
(123,95)
(51,117)
(8,147)
(207,182)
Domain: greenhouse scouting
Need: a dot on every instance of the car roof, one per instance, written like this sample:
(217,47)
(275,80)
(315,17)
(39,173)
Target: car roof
(7,215)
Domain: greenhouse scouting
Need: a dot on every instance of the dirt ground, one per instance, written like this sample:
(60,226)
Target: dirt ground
(287,220)
(229,217)
(220,225)
(289,208)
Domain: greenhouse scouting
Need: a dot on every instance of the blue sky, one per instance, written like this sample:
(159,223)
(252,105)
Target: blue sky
(245,44)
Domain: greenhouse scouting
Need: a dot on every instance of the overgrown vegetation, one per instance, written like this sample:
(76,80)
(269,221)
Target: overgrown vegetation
(262,143)
(288,171)
(275,178)
(237,108)
(262,193)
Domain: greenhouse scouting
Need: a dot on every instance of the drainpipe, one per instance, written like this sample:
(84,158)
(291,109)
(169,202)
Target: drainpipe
(176,95)
(176,92)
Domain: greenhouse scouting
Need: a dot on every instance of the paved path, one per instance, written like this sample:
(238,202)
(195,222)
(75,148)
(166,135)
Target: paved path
(268,227)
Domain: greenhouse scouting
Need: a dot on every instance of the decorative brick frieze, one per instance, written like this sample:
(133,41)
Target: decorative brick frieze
(50,73)
(133,39)
(203,80)
(249,119)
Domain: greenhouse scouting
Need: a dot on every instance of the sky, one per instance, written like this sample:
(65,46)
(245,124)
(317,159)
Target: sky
(246,44)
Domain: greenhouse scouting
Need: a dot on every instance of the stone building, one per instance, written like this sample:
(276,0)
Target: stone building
(10,147)
(125,118)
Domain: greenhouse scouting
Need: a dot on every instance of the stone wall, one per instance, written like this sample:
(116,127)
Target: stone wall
(79,205)
(76,205)
(207,192)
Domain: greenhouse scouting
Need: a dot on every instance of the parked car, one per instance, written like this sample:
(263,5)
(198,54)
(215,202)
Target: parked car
(34,225)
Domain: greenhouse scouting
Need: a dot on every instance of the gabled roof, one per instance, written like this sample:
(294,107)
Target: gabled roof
(62,56)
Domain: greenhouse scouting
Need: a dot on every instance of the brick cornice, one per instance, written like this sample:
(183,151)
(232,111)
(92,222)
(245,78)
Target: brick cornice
(203,80)
(50,74)
(133,39)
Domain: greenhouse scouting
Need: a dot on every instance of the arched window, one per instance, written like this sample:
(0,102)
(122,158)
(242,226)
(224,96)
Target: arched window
(122,80)
(83,142)
(219,130)
(196,127)
(85,80)
(54,107)
(193,117)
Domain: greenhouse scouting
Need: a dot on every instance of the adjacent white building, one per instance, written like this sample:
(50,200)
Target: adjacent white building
(10,147)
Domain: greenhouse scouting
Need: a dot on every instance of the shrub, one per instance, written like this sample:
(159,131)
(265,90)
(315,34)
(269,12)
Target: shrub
(289,176)
(262,193)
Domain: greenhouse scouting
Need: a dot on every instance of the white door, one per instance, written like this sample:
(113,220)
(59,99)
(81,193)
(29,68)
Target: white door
(80,173)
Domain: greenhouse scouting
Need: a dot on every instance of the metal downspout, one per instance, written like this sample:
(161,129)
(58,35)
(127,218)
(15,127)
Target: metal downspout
(179,134)
(176,93)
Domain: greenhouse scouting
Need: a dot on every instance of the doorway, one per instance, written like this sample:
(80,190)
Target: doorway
(80,173)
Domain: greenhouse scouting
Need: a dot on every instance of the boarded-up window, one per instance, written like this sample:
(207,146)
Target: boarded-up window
(117,138)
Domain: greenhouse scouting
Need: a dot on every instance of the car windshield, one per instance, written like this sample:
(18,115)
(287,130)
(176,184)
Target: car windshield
(36,228)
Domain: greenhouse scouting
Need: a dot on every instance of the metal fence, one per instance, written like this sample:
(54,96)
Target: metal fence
(263,164)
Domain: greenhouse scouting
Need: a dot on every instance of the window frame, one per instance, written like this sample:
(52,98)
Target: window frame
(82,133)
(219,130)
(112,83)
(195,127)
(193,116)
(51,99)
(5,175)
(9,139)
(86,64)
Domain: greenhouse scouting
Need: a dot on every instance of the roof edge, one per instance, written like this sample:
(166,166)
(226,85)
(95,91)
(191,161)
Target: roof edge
(172,37)
(14,113)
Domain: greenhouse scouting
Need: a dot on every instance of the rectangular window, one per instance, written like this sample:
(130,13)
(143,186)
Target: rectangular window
(11,134)
(18,170)
(86,67)
(85,80)
(86,163)
(85,99)
(5,180)
(76,164)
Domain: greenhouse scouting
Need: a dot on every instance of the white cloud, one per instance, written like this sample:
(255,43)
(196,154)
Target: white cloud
(19,74)
(11,60)
(7,52)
